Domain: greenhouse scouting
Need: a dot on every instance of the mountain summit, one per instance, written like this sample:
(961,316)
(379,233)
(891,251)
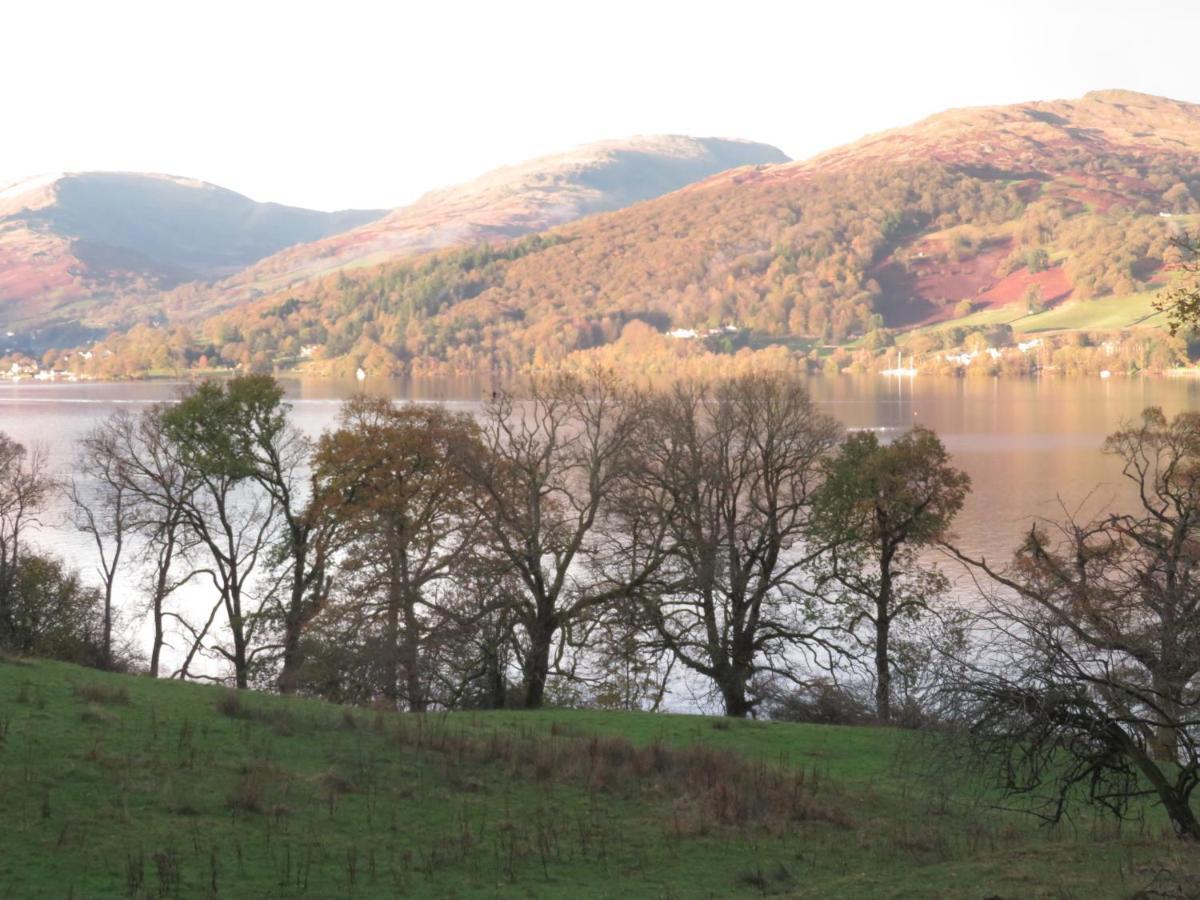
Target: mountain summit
(100,237)
(516,200)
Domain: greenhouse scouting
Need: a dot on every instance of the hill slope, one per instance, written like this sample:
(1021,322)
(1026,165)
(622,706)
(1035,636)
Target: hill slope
(116,786)
(1044,203)
(509,202)
(77,242)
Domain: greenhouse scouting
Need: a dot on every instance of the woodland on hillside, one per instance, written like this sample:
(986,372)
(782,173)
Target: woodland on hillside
(786,259)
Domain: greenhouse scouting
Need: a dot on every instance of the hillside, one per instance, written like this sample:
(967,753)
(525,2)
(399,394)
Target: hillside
(1046,205)
(509,202)
(74,246)
(117,786)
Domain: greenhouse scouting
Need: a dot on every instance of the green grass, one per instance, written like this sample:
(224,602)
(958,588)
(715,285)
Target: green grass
(116,786)
(1104,314)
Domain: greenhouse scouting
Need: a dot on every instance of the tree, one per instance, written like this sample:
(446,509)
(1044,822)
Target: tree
(719,513)
(1034,302)
(25,487)
(100,495)
(1098,684)
(275,454)
(1037,259)
(162,487)
(1181,304)
(225,512)
(390,477)
(131,490)
(879,508)
(550,466)
(50,613)
(976,342)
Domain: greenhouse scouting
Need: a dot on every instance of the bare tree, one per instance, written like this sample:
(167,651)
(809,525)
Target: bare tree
(551,465)
(1101,622)
(129,494)
(162,490)
(722,492)
(99,491)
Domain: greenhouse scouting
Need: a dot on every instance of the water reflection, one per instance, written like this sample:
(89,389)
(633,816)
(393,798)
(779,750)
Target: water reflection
(1025,442)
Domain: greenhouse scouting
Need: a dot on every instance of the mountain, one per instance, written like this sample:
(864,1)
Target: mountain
(81,242)
(998,214)
(509,202)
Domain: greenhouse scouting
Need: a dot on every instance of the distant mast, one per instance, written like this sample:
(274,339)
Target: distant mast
(900,371)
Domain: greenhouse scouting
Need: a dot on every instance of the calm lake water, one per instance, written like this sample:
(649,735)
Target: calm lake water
(1024,442)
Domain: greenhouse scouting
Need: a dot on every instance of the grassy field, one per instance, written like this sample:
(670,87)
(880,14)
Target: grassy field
(115,786)
(1105,314)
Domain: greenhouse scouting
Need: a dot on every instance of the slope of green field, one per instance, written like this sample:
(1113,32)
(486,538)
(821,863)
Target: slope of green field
(115,786)
(1105,314)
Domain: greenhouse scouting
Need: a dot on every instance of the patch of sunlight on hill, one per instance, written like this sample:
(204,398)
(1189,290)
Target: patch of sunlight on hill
(1104,314)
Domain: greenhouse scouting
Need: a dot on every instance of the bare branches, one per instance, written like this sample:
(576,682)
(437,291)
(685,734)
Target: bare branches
(1098,685)
(719,499)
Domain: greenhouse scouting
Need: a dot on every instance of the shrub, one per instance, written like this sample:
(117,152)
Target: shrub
(822,702)
(50,613)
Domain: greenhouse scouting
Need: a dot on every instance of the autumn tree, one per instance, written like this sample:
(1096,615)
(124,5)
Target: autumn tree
(390,477)
(880,507)
(1181,303)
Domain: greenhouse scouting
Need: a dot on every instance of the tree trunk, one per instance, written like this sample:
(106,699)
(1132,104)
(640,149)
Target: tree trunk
(733,693)
(883,670)
(108,592)
(391,639)
(1174,801)
(289,672)
(496,683)
(1164,745)
(1182,817)
(296,619)
(536,665)
(166,554)
(241,669)
(240,665)
(156,648)
(410,655)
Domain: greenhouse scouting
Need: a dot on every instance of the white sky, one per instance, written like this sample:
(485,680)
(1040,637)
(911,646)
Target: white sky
(348,103)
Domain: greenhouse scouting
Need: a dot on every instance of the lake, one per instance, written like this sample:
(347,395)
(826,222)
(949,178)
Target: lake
(1024,442)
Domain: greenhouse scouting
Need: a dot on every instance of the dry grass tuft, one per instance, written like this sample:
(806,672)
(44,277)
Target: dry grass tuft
(102,694)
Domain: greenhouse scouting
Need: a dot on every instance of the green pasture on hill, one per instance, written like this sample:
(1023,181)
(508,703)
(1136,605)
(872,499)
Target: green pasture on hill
(125,787)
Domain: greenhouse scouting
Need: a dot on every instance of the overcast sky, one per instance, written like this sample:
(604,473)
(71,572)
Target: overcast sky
(368,104)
